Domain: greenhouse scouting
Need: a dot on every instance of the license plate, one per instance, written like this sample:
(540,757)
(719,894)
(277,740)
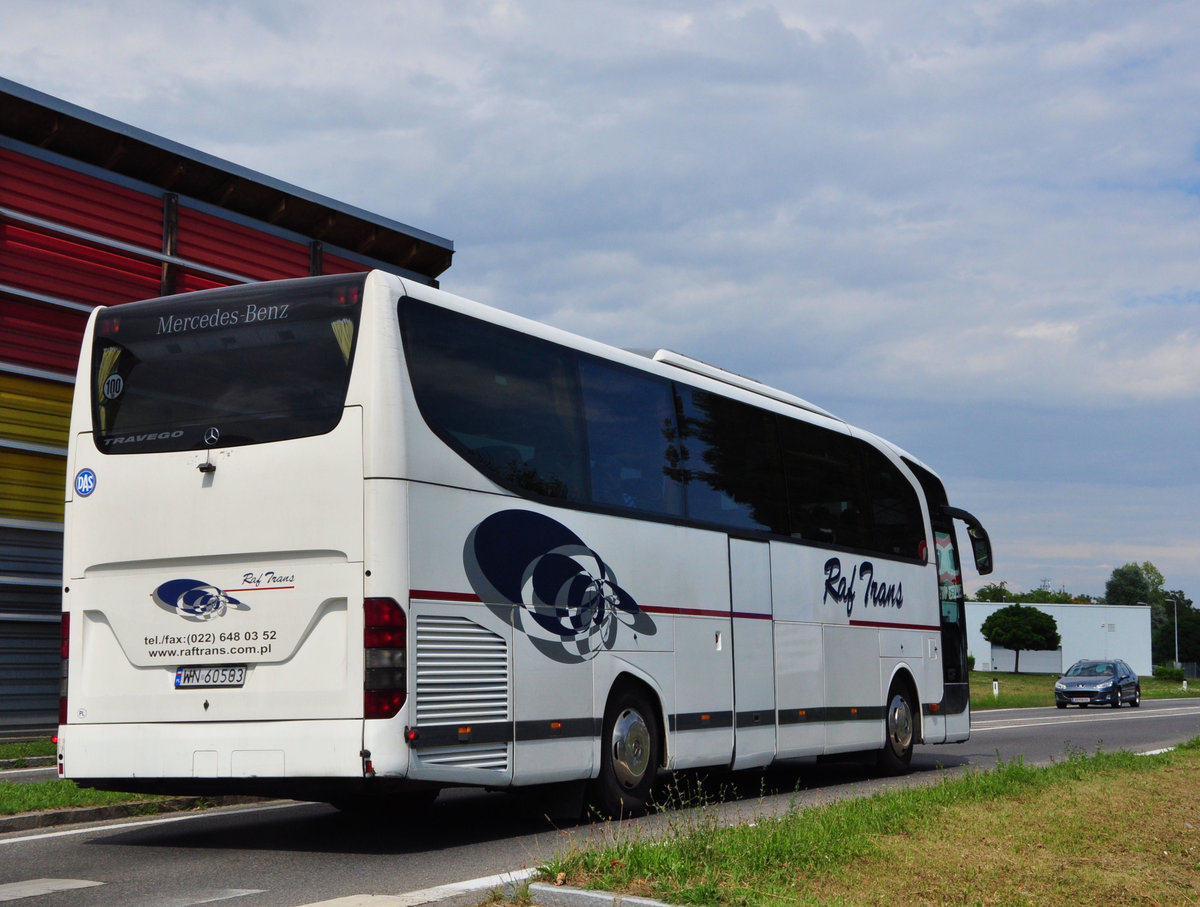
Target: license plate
(1075,699)
(210,676)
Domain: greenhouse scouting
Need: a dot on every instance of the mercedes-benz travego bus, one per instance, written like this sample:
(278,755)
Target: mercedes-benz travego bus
(351,538)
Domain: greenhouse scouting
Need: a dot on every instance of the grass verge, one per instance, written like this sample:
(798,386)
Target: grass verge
(37,796)
(41,795)
(1111,828)
(27,749)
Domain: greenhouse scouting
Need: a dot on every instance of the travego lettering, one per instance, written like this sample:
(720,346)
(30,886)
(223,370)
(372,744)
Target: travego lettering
(149,436)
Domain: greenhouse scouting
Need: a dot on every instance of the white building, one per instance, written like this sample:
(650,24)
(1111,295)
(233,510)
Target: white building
(1087,631)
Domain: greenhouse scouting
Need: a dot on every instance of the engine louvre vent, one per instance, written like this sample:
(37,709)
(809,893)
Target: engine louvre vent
(462,678)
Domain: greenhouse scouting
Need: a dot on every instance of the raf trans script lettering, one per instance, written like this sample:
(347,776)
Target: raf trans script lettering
(841,587)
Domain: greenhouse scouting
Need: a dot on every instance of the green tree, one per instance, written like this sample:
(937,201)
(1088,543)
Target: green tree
(1135,584)
(1020,627)
(999,592)
(1153,576)
(1163,639)
(1128,585)
(993,592)
(1158,598)
(1046,597)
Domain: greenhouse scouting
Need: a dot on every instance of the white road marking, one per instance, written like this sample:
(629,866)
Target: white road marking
(427,895)
(47,770)
(203,896)
(108,826)
(31,888)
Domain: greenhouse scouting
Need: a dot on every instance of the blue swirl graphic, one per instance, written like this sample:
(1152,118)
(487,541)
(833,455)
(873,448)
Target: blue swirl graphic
(194,600)
(525,559)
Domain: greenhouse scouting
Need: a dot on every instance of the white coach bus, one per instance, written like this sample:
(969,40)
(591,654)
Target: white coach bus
(348,538)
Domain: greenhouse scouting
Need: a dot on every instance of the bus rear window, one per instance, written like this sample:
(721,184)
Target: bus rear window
(224,368)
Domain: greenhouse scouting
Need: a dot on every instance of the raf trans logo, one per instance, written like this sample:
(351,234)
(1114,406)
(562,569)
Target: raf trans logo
(194,600)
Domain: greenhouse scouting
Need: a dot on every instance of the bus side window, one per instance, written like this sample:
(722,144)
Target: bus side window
(507,402)
(896,524)
(729,462)
(824,484)
(630,428)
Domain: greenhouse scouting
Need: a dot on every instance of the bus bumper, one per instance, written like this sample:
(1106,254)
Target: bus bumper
(211,758)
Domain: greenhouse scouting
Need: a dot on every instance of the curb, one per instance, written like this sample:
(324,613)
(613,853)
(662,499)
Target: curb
(51,818)
(545,895)
(28,762)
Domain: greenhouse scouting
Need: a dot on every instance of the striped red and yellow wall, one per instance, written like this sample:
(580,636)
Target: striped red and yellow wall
(75,235)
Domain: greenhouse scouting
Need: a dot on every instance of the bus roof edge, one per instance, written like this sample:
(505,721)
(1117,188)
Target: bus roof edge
(700,367)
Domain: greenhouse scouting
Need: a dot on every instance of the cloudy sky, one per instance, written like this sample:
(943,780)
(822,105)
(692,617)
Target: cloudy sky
(973,228)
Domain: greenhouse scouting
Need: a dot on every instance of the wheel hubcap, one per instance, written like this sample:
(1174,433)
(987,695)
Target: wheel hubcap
(899,725)
(630,748)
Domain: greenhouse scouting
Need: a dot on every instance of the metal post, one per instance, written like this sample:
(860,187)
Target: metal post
(1177,664)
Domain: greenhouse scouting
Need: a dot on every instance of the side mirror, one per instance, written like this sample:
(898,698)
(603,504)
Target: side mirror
(981,545)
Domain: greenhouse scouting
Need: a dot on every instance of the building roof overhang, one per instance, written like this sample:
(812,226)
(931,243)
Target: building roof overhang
(46,122)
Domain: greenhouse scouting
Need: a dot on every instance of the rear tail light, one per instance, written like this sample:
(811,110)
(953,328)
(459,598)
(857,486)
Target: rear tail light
(64,652)
(385,658)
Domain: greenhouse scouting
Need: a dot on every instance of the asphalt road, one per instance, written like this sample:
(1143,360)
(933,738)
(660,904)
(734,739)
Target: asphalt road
(301,854)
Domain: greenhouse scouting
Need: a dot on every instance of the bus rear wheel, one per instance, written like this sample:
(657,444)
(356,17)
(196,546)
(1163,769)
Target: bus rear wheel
(629,756)
(899,732)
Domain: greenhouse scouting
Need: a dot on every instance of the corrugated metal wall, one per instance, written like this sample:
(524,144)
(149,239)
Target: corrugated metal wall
(33,411)
(29,669)
(75,199)
(39,335)
(211,240)
(29,617)
(73,237)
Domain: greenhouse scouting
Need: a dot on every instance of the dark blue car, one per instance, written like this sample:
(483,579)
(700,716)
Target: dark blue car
(1106,681)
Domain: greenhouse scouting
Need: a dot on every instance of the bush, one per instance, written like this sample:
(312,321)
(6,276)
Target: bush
(1162,672)
(970,662)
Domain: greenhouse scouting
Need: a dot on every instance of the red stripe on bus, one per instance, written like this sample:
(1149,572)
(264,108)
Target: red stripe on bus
(472,598)
(886,626)
(700,612)
(432,595)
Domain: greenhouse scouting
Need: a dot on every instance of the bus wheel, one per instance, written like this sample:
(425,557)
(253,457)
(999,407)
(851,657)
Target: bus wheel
(629,756)
(900,726)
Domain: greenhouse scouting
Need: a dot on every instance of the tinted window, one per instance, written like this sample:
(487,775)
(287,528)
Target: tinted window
(631,433)
(729,462)
(551,422)
(252,364)
(509,403)
(824,485)
(842,491)
(896,526)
